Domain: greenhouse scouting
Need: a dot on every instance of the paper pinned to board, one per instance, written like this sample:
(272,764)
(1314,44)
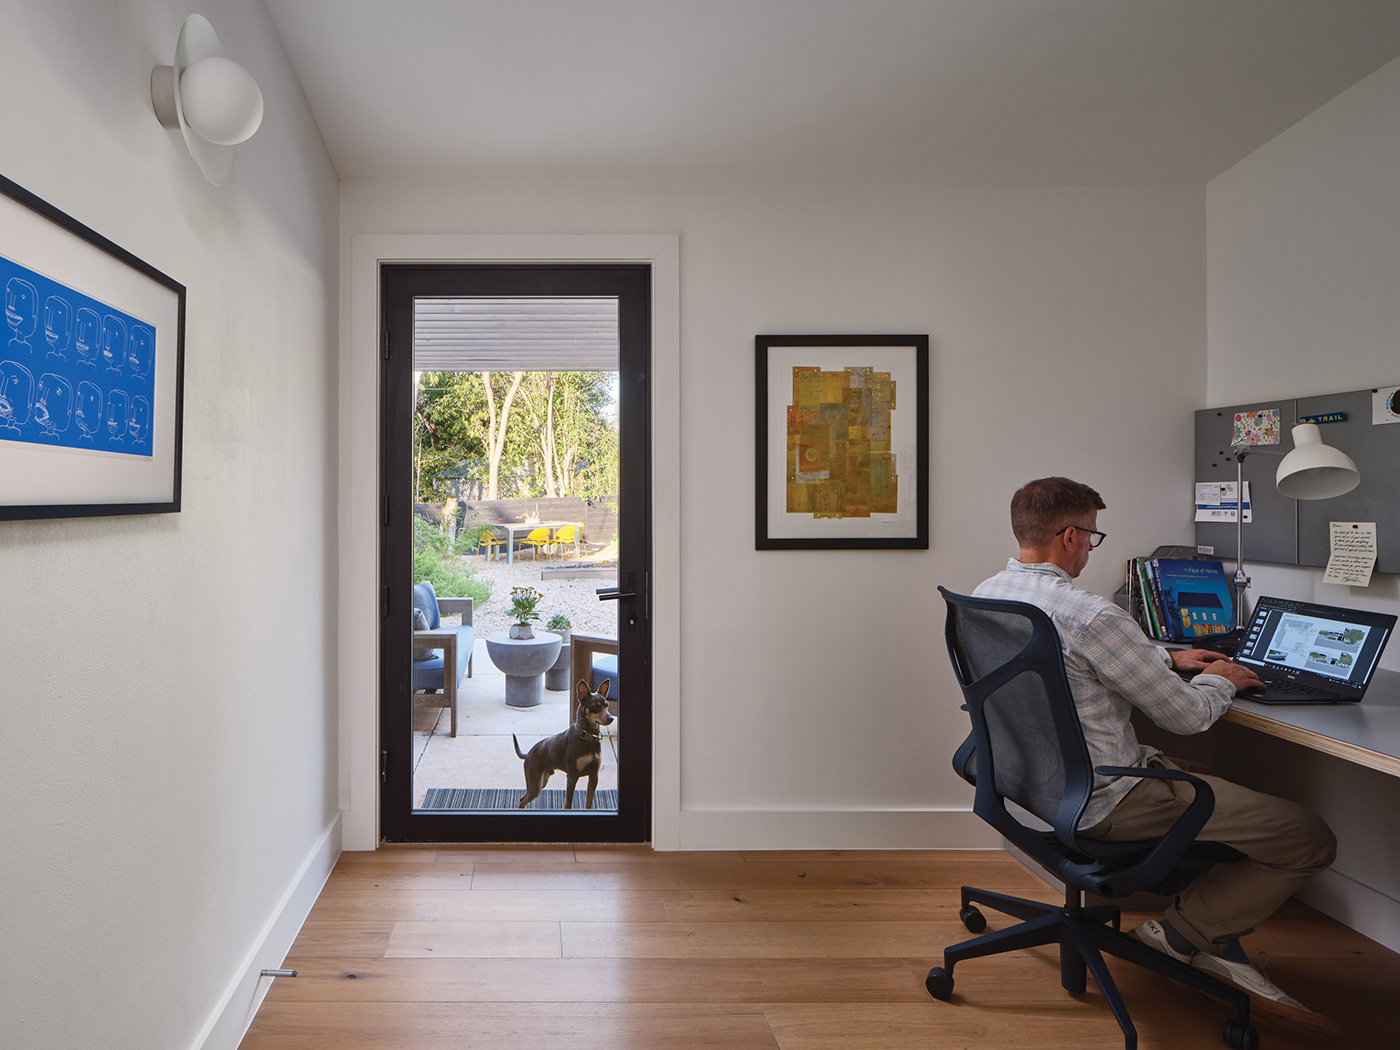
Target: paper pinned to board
(1262,427)
(1353,556)
(1216,501)
(1385,405)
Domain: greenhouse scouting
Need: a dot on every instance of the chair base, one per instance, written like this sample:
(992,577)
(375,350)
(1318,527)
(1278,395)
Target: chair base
(1084,936)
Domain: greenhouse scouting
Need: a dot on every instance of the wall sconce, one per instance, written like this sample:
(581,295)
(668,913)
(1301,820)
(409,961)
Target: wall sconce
(214,102)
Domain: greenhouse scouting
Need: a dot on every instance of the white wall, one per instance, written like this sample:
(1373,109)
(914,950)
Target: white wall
(1302,278)
(815,707)
(167,683)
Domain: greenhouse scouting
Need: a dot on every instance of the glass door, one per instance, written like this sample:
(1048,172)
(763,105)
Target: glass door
(515,553)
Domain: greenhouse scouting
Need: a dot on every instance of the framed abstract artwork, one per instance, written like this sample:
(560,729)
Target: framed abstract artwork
(91,370)
(842,442)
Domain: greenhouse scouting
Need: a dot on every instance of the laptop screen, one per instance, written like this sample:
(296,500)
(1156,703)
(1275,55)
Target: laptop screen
(1318,645)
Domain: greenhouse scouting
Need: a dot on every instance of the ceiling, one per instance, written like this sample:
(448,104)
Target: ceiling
(1052,92)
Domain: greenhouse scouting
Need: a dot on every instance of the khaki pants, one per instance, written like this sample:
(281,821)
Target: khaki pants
(1285,845)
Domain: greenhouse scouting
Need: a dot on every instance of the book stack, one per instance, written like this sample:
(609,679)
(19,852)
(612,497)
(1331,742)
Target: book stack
(1180,599)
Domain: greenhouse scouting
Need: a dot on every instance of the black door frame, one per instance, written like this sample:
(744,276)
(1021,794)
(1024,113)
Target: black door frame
(399,285)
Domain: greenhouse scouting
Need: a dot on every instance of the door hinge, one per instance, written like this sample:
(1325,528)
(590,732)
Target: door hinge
(384,510)
(384,767)
(384,343)
(384,602)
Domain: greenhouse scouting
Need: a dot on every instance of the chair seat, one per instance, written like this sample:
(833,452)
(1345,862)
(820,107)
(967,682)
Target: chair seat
(605,670)
(427,674)
(1107,858)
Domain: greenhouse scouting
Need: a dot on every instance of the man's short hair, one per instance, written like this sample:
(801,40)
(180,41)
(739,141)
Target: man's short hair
(1045,506)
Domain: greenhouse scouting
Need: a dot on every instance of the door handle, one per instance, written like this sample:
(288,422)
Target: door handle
(612,594)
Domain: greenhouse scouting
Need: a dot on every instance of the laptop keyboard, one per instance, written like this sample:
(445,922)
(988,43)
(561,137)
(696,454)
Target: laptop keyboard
(1297,690)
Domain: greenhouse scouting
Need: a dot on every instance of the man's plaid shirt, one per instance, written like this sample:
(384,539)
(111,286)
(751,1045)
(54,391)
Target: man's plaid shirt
(1112,667)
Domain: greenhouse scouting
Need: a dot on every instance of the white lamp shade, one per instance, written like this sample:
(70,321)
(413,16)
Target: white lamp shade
(1314,470)
(221,100)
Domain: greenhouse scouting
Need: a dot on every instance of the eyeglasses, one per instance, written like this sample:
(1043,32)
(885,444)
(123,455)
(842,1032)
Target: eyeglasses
(1095,537)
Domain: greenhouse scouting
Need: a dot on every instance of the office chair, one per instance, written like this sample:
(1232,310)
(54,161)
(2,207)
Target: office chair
(1027,747)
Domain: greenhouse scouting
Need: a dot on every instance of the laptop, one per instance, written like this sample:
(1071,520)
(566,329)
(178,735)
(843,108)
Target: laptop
(1312,654)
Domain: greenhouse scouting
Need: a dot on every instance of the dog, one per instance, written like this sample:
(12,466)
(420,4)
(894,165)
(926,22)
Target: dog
(577,750)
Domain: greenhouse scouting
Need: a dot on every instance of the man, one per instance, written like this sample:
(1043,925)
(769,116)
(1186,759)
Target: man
(1113,668)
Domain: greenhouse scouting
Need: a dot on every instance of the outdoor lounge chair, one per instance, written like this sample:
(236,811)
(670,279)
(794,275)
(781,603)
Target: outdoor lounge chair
(436,647)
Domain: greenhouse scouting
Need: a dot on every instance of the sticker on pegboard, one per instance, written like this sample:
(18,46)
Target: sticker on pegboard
(1257,428)
(1385,405)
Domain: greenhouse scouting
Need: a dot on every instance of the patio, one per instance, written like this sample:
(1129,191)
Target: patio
(481,755)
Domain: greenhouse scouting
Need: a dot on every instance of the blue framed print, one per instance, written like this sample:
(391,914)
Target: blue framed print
(91,370)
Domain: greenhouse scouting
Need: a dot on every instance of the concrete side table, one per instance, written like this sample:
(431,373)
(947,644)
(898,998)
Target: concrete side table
(556,677)
(524,662)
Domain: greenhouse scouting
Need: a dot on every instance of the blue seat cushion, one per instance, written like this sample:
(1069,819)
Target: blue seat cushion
(427,674)
(605,670)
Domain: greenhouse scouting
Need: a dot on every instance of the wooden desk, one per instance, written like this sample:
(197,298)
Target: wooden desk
(1367,733)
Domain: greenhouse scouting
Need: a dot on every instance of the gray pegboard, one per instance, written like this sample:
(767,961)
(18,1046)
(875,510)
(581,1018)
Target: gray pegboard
(1376,450)
(1273,534)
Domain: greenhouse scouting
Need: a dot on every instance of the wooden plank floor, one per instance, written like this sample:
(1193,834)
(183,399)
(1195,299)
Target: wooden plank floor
(616,948)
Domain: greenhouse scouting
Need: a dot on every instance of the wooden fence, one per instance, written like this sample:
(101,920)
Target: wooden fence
(599,520)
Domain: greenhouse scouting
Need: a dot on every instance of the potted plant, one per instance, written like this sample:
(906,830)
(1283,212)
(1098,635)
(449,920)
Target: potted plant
(557,677)
(522,610)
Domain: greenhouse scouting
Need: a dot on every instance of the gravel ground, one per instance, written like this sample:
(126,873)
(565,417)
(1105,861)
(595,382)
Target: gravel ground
(575,598)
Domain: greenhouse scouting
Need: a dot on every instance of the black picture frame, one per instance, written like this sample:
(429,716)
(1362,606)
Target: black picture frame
(857,494)
(92,360)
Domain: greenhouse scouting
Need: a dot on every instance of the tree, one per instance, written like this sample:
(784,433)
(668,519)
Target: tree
(566,420)
(497,423)
(549,432)
(447,422)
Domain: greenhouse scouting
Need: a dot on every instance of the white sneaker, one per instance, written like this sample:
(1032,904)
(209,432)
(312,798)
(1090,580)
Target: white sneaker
(1154,933)
(1251,978)
(1271,1007)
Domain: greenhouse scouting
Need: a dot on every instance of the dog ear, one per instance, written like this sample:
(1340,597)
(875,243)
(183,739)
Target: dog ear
(581,691)
(603,689)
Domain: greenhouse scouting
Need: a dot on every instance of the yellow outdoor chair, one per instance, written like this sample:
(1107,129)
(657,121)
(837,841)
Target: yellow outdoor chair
(566,536)
(490,544)
(537,538)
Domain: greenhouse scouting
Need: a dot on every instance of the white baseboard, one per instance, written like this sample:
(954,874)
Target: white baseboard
(230,1020)
(828,830)
(1365,909)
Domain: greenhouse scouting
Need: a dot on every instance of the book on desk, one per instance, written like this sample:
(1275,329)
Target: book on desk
(1182,599)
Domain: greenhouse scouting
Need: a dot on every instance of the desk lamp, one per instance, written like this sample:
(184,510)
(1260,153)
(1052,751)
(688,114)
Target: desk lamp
(1312,470)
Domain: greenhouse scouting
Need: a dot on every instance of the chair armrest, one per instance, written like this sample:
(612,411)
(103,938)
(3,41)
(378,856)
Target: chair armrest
(582,648)
(1180,835)
(448,606)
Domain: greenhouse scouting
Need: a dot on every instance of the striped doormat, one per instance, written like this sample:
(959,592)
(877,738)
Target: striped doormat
(509,799)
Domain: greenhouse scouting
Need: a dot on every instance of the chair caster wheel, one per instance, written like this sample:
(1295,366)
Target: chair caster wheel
(939,983)
(1238,1035)
(973,919)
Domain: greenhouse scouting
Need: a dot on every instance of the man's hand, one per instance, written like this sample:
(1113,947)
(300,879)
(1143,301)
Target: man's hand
(1193,661)
(1240,677)
(1203,661)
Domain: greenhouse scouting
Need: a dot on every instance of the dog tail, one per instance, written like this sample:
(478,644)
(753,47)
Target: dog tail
(517,746)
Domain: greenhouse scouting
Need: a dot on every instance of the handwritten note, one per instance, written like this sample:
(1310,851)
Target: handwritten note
(1353,553)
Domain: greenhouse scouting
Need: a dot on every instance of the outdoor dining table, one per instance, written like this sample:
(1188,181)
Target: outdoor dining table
(524,528)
